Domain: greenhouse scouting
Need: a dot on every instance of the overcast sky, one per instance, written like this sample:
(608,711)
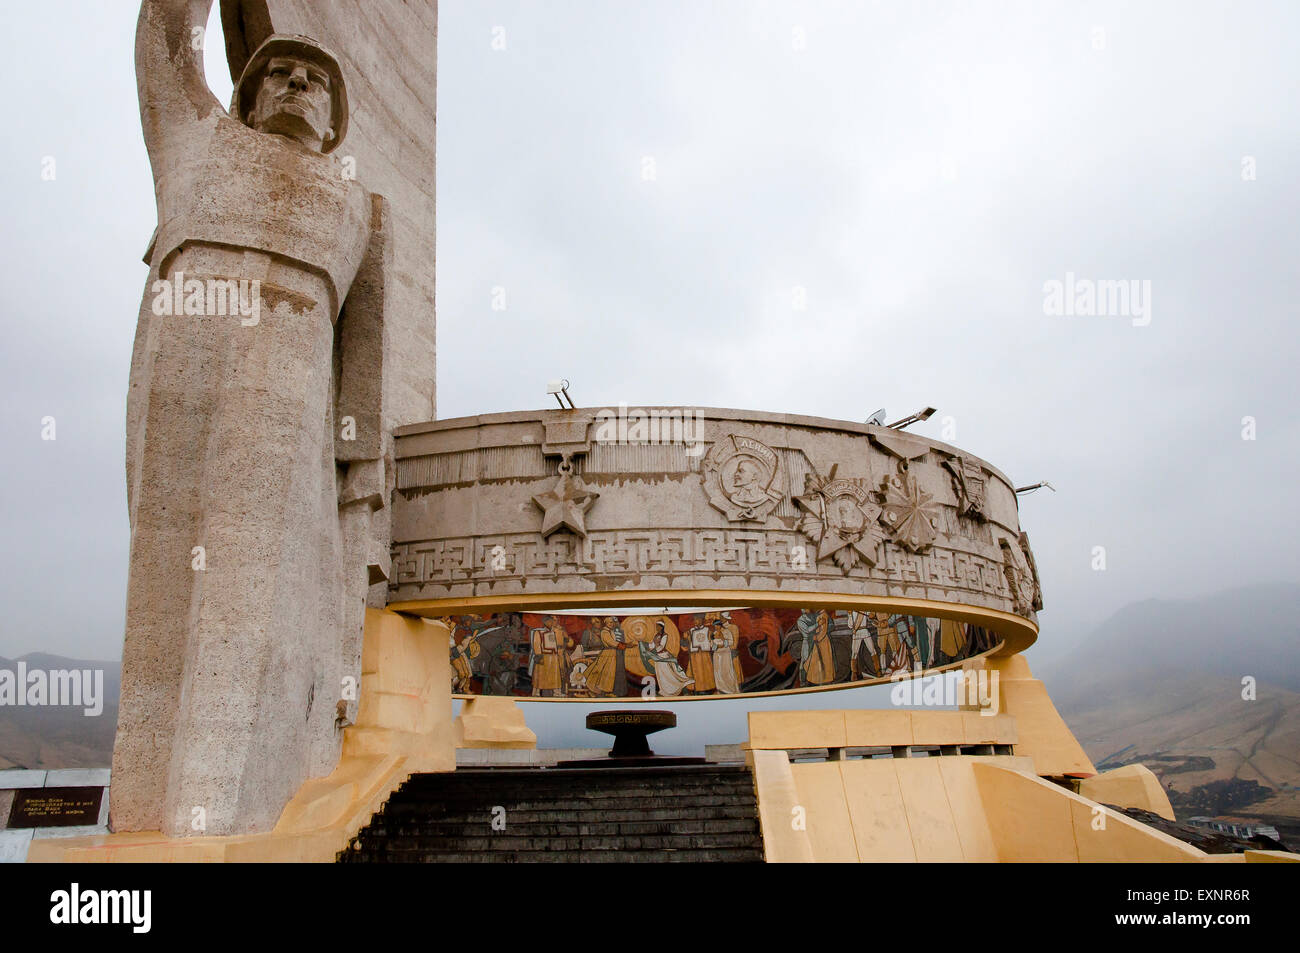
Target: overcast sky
(920,169)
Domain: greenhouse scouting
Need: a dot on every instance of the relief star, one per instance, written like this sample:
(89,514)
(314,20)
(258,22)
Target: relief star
(565,506)
(909,512)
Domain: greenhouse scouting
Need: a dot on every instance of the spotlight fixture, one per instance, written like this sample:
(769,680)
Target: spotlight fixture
(1035,486)
(910,419)
(556,388)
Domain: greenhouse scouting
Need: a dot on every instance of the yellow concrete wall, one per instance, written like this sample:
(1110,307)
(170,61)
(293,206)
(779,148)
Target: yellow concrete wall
(1133,785)
(820,793)
(1026,719)
(1271,857)
(785,839)
(884,810)
(1043,734)
(875,800)
(978,844)
(954,807)
(796,729)
(869,728)
(492,721)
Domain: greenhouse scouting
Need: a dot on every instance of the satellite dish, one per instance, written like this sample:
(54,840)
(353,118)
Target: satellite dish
(878,418)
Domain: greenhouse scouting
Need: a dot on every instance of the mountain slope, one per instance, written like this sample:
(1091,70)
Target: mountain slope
(60,737)
(1206,693)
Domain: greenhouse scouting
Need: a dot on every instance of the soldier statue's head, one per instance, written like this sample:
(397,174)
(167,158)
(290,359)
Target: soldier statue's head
(293,87)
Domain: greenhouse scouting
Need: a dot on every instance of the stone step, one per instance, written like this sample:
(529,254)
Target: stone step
(655,815)
(497,795)
(683,774)
(610,770)
(514,843)
(473,799)
(436,809)
(553,814)
(521,797)
(421,828)
(478,790)
(623,789)
(754,856)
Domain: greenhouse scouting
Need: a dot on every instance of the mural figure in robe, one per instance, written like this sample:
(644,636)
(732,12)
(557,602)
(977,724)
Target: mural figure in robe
(607,675)
(727,674)
(462,658)
(816,661)
(668,675)
(552,647)
(865,644)
(901,642)
(953,640)
(699,642)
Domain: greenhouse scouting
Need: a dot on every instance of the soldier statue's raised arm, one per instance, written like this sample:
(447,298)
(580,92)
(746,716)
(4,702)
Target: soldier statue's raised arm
(256,477)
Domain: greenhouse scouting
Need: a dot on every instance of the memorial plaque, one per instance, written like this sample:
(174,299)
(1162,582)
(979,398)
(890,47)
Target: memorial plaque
(55,807)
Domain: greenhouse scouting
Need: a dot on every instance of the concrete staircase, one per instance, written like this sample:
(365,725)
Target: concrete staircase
(649,815)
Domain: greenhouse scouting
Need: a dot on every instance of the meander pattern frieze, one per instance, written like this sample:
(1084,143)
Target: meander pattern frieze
(427,566)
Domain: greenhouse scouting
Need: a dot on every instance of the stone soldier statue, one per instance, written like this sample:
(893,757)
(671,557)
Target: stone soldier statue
(255,452)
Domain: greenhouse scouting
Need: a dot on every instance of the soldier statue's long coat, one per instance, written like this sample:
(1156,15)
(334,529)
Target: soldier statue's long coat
(255,460)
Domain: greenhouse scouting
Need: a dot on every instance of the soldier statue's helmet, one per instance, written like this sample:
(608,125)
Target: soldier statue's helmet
(302,47)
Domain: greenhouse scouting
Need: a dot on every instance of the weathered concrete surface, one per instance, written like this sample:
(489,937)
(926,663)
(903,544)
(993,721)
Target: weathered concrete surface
(14,845)
(258,455)
(732,500)
(388,49)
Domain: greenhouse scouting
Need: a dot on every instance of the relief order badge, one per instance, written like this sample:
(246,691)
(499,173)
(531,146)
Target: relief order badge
(743,478)
(840,517)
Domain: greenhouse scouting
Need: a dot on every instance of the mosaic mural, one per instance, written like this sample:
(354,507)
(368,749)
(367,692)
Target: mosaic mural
(727,652)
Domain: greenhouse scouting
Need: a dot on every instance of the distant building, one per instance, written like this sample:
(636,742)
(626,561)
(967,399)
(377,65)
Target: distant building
(1236,827)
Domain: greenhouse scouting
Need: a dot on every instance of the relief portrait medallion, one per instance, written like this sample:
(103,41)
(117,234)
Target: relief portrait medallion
(743,478)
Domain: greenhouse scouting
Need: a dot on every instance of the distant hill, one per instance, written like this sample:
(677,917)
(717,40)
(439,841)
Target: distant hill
(51,737)
(1161,682)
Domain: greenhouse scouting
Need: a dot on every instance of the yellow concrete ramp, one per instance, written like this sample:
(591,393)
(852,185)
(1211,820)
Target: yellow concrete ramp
(1036,820)
(945,809)
(1133,785)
